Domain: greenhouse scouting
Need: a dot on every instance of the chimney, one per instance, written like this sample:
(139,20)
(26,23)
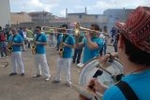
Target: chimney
(85,10)
(66,13)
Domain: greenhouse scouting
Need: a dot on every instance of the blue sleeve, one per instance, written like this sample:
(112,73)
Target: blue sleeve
(113,93)
(21,39)
(44,38)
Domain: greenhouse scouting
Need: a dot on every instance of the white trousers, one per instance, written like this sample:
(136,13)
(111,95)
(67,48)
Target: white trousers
(17,62)
(41,65)
(65,65)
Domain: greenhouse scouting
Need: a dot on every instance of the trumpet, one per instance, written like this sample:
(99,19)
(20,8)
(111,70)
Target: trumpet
(78,28)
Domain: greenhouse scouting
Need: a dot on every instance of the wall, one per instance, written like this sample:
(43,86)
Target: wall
(5,13)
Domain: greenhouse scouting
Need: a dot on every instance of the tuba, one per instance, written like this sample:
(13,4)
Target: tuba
(107,75)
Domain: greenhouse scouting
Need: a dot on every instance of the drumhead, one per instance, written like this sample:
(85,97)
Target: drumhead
(91,67)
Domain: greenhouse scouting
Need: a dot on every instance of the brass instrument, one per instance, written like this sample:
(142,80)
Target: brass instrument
(78,28)
(47,29)
(33,47)
(9,48)
(61,46)
(61,49)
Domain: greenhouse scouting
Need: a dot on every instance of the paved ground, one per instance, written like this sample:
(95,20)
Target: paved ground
(27,88)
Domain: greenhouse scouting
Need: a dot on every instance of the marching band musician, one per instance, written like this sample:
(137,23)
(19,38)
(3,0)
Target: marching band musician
(64,60)
(40,56)
(92,43)
(134,54)
(16,42)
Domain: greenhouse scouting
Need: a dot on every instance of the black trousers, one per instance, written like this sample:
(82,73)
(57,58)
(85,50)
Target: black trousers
(77,56)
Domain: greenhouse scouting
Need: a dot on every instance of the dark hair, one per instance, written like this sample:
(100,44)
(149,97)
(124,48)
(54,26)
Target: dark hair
(65,26)
(96,27)
(105,29)
(135,54)
(38,27)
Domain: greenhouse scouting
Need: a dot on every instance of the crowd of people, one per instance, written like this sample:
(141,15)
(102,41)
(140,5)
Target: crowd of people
(131,42)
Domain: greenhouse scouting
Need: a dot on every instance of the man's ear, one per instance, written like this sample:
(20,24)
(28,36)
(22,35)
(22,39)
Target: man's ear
(121,42)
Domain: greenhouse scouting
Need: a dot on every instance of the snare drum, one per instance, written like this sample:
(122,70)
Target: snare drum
(107,73)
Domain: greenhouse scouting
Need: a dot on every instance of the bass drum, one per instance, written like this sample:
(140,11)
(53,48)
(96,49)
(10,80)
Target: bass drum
(106,74)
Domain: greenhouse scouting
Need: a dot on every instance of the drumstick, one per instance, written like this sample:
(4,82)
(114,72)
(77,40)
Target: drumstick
(98,73)
(100,66)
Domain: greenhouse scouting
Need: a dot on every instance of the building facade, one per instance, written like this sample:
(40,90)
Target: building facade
(115,15)
(5,13)
(22,17)
(41,16)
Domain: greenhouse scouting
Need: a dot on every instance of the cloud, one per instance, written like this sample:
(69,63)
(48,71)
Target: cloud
(58,6)
(33,5)
(102,5)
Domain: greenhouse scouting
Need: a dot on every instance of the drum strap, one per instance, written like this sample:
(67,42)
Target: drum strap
(127,91)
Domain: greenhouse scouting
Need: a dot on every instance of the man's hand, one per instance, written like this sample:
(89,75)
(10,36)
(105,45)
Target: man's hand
(87,35)
(37,42)
(13,43)
(96,86)
(81,97)
(64,44)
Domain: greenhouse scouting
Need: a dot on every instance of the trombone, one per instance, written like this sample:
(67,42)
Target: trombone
(48,29)
(78,28)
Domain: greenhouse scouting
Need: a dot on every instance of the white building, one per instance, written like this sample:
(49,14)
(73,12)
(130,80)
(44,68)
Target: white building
(5,13)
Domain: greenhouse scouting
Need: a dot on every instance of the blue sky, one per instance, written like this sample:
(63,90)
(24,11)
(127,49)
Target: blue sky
(57,7)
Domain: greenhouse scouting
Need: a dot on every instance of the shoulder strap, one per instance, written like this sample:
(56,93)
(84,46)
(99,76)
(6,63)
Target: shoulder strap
(64,37)
(37,37)
(127,91)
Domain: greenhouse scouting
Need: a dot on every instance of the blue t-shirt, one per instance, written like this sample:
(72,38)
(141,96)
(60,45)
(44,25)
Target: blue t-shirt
(16,39)
(139,82)
(90,53)
(67,53)
(40,49)
(21,33)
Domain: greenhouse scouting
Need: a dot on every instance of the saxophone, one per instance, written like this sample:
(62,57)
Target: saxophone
(61,46)
(61,49)
(9,47)
(33,47)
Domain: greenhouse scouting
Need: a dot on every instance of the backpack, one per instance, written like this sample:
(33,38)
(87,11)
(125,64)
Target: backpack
(2,36)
